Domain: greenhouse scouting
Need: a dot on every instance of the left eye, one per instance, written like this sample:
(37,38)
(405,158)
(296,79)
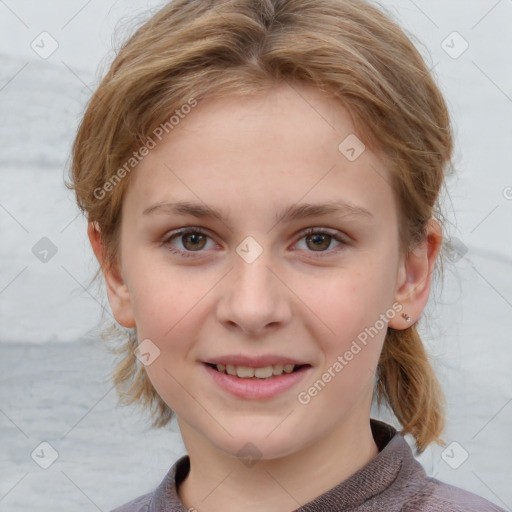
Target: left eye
(320,240)
(195,240)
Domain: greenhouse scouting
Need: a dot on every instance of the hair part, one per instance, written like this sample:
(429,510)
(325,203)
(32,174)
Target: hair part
(348,48)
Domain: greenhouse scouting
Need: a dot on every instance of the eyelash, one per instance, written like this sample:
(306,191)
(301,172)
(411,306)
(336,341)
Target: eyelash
(191,254)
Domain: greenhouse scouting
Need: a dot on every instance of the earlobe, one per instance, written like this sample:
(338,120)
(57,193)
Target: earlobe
(415,278)
(117,291)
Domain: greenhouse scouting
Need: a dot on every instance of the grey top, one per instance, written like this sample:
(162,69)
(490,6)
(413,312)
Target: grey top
(392,481)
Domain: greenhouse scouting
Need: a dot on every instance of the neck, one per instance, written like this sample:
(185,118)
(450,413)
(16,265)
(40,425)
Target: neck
(218,481)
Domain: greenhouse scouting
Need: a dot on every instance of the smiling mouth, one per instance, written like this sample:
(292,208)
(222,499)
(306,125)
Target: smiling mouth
(266,372)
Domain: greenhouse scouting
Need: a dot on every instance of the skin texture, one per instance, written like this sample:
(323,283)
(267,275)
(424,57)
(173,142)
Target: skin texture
(250,157)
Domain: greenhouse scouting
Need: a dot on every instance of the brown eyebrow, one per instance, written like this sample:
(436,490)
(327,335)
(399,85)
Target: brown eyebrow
(292,212)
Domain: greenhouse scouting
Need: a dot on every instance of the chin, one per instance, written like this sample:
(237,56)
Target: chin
(259,445)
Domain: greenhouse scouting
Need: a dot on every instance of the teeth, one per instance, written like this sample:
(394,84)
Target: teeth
(288,368)
(263,373)
(246,372)
(277,369)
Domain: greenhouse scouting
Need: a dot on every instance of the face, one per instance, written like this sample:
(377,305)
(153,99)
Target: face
(259,278)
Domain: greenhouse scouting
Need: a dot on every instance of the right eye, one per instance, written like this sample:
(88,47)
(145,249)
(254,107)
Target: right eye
(192,240)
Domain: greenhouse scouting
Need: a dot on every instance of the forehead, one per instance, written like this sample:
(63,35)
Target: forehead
(274,148)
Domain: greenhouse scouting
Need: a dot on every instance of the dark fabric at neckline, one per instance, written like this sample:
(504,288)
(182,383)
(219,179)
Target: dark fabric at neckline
(372,479)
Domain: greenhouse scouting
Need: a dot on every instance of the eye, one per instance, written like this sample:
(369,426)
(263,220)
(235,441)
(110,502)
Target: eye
(194,240)
(191,239)
(318,240)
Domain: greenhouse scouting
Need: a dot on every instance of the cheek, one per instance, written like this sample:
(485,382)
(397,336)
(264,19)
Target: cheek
(349,298)
(348,321)
(163,295)
(170,308)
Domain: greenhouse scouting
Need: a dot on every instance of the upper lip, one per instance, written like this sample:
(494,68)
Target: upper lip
(254,361)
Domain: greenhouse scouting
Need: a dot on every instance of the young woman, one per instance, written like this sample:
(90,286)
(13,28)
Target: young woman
(261,182)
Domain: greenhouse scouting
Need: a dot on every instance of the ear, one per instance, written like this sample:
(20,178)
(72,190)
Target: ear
(415,277)
(117,291)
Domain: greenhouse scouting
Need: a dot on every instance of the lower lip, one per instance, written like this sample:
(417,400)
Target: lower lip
(257,389)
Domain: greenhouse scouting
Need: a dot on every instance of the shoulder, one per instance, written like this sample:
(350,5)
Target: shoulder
(140,504)
(434,496)
(165,496)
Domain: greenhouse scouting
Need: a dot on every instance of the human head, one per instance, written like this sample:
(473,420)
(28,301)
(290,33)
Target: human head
(351,50)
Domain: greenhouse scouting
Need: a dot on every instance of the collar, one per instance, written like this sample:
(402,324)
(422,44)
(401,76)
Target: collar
(372,479)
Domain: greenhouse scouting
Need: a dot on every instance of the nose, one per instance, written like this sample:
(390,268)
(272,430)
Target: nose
(253,299)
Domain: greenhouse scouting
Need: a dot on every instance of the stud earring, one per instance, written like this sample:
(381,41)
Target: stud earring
(406,317)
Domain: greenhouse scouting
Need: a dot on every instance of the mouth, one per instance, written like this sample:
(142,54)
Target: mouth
(257,382)
(261,373)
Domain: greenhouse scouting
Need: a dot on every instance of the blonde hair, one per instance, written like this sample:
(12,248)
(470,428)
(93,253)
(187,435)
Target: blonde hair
(195,49)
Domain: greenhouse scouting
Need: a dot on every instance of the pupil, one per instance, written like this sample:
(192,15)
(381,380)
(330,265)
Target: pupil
(320,238)
(196,238)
